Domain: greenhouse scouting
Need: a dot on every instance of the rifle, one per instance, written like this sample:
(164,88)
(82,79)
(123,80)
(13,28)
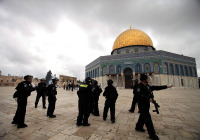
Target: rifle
(156,106)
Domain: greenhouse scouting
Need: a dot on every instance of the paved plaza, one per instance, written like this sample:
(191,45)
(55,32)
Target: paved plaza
(179,118)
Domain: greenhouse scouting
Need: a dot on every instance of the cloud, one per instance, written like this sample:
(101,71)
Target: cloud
(64,36)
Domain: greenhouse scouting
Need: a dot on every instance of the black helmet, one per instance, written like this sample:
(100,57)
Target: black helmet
(95,82)
(110,82)
(42,79)
(88,80)
(143,77)
(28,77)
(55,79)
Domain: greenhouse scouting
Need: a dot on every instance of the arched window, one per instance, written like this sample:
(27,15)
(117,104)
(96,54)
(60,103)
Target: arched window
(176,70)
(165,68)
(147,68)
(95,73)
(98,72)
(171,69)
(194,72)
(111,70)
(89,74)
(156,68)
(181,71)
(186,71)
(190,71)
(104,70)
(118,69)
(138,68)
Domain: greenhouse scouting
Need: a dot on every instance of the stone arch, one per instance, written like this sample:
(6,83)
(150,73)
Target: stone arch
(128,73)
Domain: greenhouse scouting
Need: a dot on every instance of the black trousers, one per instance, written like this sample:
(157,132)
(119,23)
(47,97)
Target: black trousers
(91,103)
(19,117)
(51,107)
(109,104)
(84,111)
(145,118)
(38,98)
(134,102)
(96,105)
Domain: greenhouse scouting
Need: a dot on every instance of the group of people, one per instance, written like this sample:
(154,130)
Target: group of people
(70,86)
(24,89)
(88,95)
(143,95)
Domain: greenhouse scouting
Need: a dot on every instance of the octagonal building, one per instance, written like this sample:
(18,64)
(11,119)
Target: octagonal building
(133,54)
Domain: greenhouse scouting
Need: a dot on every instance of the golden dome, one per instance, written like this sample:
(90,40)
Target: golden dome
(132,37)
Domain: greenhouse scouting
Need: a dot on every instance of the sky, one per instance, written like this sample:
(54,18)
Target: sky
(65,35)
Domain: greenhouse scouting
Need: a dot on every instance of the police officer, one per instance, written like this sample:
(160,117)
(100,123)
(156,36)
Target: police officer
(41,91)
(24,90)
(111,96)
(84,95)
(135,98)
(52,92)
(96,91)
(145,96)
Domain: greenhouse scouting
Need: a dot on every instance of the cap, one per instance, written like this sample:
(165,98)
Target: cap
(27,77)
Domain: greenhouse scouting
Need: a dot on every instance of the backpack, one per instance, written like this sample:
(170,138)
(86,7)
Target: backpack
(16,94)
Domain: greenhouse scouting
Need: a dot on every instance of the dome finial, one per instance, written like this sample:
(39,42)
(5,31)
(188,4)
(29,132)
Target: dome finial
(130,26)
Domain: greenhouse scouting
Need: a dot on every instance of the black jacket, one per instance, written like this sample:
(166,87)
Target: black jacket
(96,91)
(85,91)
(41,88)
(52,91)
(24,89)
(135,89)
(145,93)
(110,93)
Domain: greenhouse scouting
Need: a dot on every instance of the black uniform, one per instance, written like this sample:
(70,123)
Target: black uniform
(111,96)
(135,98)
(24,90)
(41,91)
(51,92)
(84,95)
(96,91)
(144,94)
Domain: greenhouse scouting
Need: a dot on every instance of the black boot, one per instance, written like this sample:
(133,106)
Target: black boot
(13,122)
(140,129)
(154,137)
(86,124)
(22,126)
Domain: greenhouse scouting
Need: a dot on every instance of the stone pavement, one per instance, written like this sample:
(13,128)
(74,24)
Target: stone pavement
(179,118)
